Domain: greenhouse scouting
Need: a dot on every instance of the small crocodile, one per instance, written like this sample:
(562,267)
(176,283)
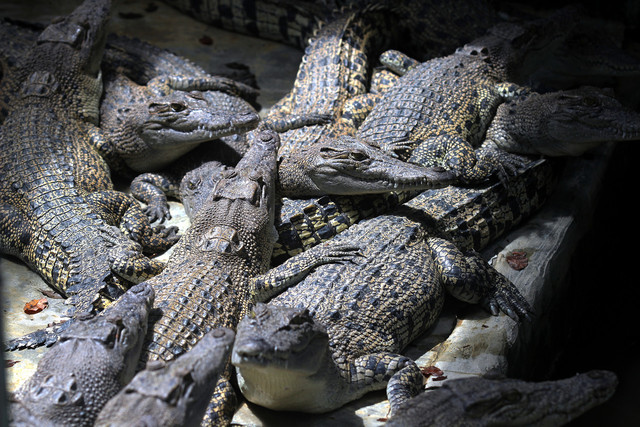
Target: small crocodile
(58,210)
(435,26)
(562,123)
(345,166)
(215,272)
(479,401)
(173,394)
(145,126)
(337,334)
(90,363)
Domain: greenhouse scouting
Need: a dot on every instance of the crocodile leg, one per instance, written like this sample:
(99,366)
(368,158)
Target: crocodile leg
(469,278)
(153,188)
(123,210)
(401,376)
(295,269)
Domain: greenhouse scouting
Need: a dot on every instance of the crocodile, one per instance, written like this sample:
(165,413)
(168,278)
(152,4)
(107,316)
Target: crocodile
(145,126)
(435,27)
(554,124)
(59,212)
(90,363)
(337,333)
(171,394)
(341,167)
(491,400)
(335,67)
(218,268)
(305,223)
(562,123)
(419,120)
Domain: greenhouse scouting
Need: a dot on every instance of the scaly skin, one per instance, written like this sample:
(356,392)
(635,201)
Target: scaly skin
(59,211)
(173,394)
(214,274)
(418,119)
(149,127)
(435,27)
(478,401)
(375,306)
(398,119)
(92,361)
(563,123)
(145,126)
(348,167)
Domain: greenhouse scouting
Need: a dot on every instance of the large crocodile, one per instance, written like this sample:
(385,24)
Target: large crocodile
(339,331)
(90,363)
(173,394)
(59,212)
(490,400)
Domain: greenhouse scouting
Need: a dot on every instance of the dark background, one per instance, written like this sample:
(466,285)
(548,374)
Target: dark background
(598,325)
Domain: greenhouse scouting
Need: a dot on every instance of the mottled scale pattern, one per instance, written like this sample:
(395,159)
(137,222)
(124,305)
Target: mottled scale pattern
(335,67)
(291,23)
(472,217)
(379,304)
(420,106)
(194,299)
(303,223)
(375,305)
(57,204)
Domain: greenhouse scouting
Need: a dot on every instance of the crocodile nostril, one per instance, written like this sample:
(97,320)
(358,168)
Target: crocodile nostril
(251,349)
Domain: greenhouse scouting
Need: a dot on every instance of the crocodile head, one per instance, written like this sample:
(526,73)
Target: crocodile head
(197,184)
(175,393)
(280,354)
(563,123)
(495,400)
(92,360)
(347,165)
(236,218)
(159,122)
(71,47)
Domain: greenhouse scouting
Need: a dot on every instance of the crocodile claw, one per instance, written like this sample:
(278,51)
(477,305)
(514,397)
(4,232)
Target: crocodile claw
(508,299)
(158,213)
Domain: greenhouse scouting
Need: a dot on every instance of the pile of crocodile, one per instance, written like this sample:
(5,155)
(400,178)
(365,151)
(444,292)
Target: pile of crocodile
(324,237)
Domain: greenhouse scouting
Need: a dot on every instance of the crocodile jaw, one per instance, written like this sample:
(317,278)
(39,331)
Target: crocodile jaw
(282,388)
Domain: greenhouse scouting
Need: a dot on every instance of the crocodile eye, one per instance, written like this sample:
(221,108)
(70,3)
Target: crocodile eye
(193,183)
(589,101)
(512,396)
(110,340)
(358,156)
(196,95)
(330,152)
(175,107)
(156,108)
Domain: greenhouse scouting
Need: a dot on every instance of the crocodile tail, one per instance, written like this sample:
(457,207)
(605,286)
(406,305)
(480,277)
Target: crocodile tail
(45,336)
